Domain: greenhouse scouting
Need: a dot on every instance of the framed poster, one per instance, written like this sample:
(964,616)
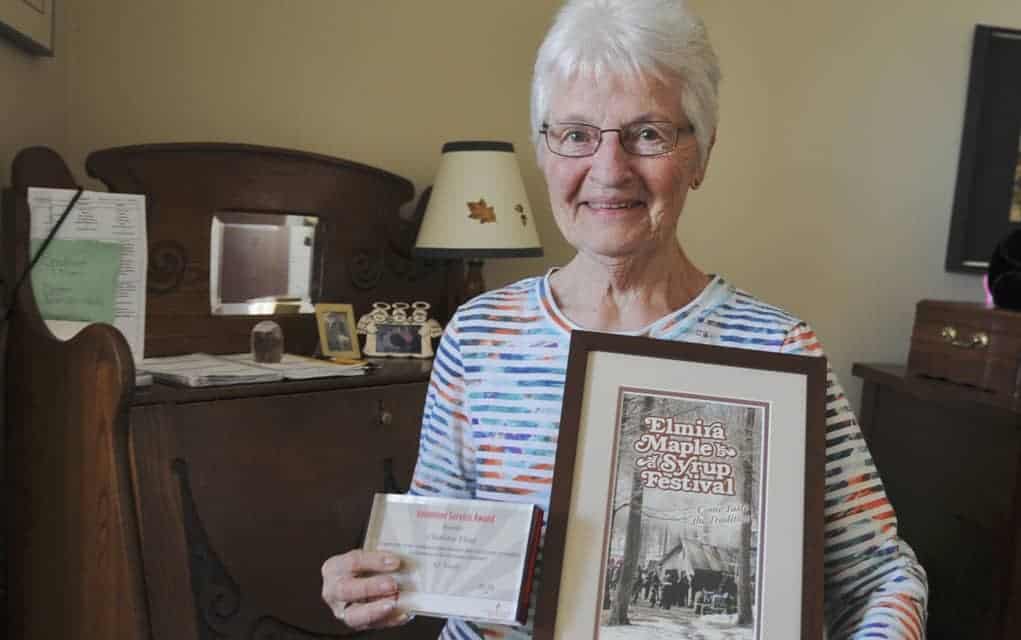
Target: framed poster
(29,24)
(687,499)
(987,197)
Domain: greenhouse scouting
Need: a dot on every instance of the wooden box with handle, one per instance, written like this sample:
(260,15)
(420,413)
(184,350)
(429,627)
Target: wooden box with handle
(969,344)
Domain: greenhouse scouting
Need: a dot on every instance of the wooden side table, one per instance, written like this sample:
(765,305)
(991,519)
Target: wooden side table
(950,457)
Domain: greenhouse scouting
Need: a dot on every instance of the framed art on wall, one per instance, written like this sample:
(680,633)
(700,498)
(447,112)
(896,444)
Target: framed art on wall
(987,198)
(687,498)
(29,24)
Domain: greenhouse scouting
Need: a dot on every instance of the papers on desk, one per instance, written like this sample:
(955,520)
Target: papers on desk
(94,269)
(298,368)
(205,370)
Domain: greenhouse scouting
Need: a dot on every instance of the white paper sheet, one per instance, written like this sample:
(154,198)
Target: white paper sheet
(299,368)
(108,217)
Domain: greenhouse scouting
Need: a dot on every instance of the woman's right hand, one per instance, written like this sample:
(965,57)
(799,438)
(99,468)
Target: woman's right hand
(361,591)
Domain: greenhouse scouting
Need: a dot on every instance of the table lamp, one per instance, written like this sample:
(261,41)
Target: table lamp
(478,209)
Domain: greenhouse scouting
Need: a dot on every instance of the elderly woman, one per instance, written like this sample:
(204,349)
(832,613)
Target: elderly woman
(624,102)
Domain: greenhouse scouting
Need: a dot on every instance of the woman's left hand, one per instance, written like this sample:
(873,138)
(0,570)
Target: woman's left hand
(360,590)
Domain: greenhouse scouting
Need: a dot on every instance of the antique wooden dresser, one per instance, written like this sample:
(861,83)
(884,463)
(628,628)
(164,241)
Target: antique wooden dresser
(171,513)
(950,457)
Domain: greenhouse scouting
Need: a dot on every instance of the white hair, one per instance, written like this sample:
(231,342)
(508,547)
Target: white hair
(658,38)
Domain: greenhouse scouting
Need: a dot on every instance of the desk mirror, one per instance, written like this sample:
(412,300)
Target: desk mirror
(261,263)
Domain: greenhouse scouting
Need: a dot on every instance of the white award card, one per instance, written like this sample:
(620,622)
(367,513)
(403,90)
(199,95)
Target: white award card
(468,559)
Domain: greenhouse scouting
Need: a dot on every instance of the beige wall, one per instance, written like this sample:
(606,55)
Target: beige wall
(33,111)
(33,99)
(830,187)
(832,182)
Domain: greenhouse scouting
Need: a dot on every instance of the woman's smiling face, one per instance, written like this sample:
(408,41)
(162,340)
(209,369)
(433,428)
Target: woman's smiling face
(614,204)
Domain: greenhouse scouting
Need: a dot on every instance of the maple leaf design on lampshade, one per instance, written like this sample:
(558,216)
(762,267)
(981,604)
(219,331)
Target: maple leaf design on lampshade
(524,217)
(481,211)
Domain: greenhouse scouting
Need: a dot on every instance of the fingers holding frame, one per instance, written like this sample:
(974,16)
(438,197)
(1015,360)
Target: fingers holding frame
(359,590)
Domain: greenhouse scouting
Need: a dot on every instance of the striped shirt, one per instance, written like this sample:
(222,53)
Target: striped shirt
(492,411)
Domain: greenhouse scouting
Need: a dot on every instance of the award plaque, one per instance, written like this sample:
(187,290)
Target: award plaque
(471,559)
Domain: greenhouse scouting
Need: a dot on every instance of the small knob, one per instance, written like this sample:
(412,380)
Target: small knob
(385,417)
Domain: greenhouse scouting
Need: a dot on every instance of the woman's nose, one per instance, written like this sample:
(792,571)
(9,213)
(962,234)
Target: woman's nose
(611,165)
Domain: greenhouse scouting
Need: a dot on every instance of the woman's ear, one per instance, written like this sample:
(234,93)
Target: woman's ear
(700,172)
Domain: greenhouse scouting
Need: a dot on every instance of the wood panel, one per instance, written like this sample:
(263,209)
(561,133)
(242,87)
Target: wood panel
(256,493)
(71,518)
(362,251)
(951,463)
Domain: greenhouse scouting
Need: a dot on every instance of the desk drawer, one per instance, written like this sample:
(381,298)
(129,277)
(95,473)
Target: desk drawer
(241,500)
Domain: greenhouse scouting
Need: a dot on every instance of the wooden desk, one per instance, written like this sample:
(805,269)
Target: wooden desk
(950,457)
(172,513)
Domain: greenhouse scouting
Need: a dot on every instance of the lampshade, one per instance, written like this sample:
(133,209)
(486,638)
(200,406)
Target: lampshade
(478,207)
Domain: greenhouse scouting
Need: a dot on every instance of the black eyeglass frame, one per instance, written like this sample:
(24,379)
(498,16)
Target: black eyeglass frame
(544,131)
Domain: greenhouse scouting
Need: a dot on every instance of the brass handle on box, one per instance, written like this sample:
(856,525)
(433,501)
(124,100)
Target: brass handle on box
(978,340)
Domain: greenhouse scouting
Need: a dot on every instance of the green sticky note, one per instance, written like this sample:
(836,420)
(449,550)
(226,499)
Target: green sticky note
(76,279)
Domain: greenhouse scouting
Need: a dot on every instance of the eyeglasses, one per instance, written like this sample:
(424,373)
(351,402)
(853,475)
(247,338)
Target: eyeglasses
(577,140)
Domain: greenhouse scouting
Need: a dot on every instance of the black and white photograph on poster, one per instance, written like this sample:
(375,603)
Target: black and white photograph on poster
(682,549)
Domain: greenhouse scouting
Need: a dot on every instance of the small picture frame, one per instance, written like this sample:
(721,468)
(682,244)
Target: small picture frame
(399,330)
(29,24)
(337,331)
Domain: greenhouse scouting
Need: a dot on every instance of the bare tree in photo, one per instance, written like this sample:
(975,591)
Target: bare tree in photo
(744,565)
(635,408)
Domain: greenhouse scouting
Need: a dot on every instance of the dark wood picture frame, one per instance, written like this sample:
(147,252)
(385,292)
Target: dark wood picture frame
(29,24)
(988,166)
(789,389)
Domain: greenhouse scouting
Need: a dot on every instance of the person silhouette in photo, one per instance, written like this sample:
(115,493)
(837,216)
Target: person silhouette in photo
(682,590)
(338,336)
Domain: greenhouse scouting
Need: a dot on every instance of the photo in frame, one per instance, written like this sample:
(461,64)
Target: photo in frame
(337,331)
(987,197)
(399,330)
(29,24)
(687,498)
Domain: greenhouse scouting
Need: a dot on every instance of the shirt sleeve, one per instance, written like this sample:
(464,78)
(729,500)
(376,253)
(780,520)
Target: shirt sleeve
(446,451)
(874,585)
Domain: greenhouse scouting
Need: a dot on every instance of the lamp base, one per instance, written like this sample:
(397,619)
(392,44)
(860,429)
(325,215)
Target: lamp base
(473,282)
